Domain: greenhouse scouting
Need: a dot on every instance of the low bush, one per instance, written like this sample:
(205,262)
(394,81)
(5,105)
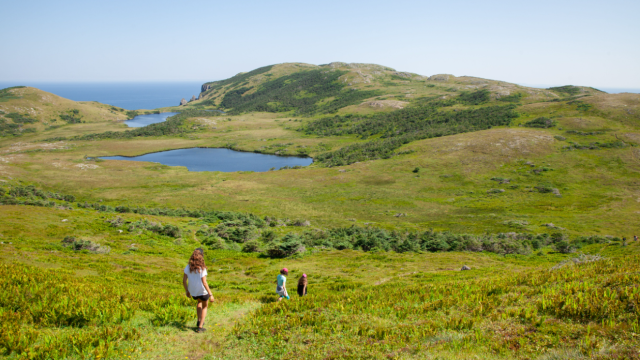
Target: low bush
(541,122)
(79,244)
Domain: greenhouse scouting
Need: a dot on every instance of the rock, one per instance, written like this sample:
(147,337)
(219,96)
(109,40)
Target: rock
(64,220)
(556,192)
(405,75)
(495,191)
(205,87)
(465,267)
(386,103)
(400,214)
(342,170)
(193,98)
(440,77)
(183,102)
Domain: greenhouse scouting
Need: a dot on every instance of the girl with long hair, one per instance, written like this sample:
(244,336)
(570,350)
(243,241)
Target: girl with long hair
(196,287)
(302,285)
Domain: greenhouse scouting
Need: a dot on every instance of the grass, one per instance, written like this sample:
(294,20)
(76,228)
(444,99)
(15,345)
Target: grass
(361,305)
(381,305)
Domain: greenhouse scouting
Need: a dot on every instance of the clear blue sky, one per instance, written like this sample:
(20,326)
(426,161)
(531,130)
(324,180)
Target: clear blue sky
(594,43)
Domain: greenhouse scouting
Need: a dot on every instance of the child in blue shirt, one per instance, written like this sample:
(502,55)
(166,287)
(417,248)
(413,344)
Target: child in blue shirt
(281,287)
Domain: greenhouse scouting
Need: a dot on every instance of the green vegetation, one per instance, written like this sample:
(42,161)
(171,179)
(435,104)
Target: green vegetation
(92,251)
(16,128)
(238,79)
(6,95)
(514,98)
(240,228)
(402,127)
(72,116)
(567,89)
(474,98)
(174,125)
(301,91)
(541,122)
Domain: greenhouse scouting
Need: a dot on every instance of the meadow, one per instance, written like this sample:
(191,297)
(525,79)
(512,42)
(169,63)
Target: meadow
(536,190)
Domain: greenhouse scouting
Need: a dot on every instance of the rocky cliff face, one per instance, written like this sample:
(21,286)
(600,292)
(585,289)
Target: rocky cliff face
(205,87)
(183,102)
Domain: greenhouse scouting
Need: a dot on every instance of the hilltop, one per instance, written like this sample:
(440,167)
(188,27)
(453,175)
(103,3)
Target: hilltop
(303,81)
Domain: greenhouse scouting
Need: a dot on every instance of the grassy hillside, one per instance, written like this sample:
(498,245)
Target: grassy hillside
(414,176)
(26,110)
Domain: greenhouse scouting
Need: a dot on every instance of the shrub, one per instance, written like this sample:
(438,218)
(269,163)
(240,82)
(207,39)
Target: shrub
(474,98)
(79,244)
(566,89)
(288,245)
(564,247)
(541,122)
(251,247)
(214,243)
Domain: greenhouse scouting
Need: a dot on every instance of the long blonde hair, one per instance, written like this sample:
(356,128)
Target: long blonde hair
(196,262)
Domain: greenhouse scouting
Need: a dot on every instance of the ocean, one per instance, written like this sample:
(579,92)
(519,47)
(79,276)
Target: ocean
(130,96)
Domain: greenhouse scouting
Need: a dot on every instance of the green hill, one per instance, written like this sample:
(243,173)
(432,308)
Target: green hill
(413,177)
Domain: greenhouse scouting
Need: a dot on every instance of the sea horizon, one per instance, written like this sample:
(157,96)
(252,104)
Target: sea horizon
(128,95)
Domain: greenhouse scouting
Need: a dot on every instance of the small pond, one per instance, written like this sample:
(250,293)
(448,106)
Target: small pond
(211,159)
(144,120)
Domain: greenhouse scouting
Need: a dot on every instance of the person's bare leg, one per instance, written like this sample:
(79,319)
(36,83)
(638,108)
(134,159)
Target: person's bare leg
(279,299)
(199,311)
(203,312)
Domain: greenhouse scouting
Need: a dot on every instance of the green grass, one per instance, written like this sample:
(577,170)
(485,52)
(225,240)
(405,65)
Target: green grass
(128,302)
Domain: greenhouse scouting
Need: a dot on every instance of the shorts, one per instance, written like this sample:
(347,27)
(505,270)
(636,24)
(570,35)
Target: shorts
(204,297)
(300,290)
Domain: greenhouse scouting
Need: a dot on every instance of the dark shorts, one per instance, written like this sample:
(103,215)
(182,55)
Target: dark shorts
(204,297)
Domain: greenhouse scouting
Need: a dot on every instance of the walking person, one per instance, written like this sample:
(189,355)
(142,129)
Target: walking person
(196,287)
(302,285)
(635,237)
(281,287)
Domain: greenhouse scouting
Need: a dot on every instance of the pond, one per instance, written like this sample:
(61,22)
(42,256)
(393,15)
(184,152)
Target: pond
(213,159)
(144,120)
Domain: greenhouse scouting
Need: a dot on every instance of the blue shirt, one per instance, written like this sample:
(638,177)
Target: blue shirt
(282,280)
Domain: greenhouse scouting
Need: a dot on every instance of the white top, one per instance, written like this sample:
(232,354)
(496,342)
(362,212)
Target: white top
(195,286)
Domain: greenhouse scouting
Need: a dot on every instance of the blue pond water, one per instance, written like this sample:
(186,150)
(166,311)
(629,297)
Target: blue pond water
(207,159)
(144,120)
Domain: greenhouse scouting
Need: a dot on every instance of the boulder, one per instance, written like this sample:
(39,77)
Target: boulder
(465,267)
(183,102)
(193,98)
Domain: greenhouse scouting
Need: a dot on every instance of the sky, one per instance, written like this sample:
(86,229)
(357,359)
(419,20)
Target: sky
(589,43)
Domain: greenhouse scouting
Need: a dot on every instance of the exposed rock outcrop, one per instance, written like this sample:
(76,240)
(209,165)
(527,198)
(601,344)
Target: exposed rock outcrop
(183,102)
(439,77)
(386,103)
(205,87)
(193,98)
